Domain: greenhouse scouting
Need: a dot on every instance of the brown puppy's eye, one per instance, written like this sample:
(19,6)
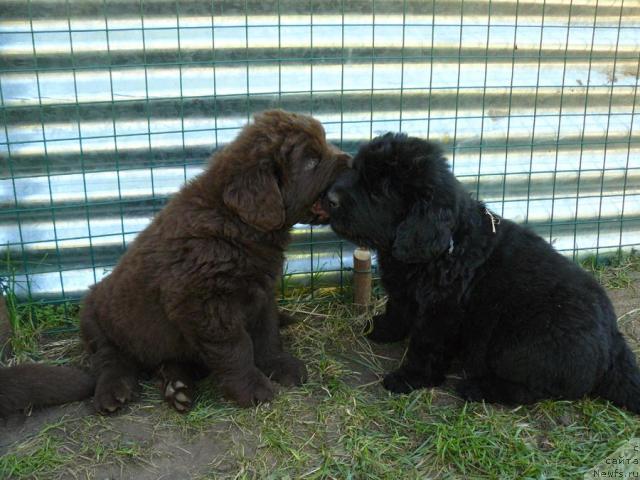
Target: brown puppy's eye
(311,164)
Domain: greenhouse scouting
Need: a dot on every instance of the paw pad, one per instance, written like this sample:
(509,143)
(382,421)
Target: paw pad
(178,395)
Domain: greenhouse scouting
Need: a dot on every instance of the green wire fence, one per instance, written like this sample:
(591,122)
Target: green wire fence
(109,106)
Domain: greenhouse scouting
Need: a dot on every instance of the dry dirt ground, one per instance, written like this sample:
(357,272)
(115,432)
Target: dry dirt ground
(342,424)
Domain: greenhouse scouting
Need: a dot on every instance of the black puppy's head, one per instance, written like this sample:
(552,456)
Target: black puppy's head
(400,197)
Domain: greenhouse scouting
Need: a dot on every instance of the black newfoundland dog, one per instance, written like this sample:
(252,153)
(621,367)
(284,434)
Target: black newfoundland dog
(526,323)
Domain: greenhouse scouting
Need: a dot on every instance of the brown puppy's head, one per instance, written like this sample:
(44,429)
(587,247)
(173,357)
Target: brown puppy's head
(279,166)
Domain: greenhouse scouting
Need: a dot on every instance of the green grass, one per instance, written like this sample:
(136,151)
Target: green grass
(340,424)
(31,322)
(36,456)
(615,272)
(60,446)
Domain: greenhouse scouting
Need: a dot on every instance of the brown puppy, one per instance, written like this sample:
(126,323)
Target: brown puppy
(195,291)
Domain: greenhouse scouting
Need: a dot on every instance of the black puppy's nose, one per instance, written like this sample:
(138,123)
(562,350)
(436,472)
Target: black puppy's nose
(333,198)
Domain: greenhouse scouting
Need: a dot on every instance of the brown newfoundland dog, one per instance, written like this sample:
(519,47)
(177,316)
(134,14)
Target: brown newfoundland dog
(195,291)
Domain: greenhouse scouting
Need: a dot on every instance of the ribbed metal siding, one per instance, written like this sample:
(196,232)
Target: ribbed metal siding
(109,106)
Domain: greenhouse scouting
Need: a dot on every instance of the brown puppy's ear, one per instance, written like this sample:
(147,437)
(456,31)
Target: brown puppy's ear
(424,234)
(255,197)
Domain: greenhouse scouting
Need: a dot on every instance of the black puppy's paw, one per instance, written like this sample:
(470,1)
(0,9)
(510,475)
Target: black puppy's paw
(404,381)
(284,320)
(470,390)
(383,330)
(397,382)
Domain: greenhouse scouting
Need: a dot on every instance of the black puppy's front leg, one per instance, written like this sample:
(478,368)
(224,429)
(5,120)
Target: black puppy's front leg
(394,324)
(424,366)
(428,356)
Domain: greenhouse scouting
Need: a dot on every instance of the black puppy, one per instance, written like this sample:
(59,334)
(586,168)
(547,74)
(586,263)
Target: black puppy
(526,322)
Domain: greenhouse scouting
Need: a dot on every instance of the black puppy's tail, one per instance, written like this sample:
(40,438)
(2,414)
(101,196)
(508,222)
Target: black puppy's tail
(621,384)
(39,385)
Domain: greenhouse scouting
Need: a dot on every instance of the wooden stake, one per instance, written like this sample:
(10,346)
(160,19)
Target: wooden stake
(362,277)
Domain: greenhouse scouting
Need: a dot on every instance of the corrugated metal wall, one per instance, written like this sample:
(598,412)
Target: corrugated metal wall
(108,106)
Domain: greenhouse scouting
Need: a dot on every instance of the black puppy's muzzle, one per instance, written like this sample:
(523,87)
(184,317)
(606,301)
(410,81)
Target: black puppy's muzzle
(334,197)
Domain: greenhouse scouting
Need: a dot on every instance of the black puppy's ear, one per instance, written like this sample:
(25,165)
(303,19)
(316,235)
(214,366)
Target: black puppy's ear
(424,234)
(255,197)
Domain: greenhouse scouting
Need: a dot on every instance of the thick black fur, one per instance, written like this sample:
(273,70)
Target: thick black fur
(526,323)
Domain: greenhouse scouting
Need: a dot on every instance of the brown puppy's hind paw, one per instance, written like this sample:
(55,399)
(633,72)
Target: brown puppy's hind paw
(178,395)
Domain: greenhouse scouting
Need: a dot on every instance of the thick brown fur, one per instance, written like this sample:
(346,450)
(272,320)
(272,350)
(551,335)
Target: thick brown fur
(39,385)
(195,292)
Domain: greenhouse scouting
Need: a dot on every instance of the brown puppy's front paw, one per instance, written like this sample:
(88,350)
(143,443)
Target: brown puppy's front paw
(178,394)
(113,392)
(249,390)
(286,369)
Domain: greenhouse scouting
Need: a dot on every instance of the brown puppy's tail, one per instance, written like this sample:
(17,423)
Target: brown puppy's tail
(39,385)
